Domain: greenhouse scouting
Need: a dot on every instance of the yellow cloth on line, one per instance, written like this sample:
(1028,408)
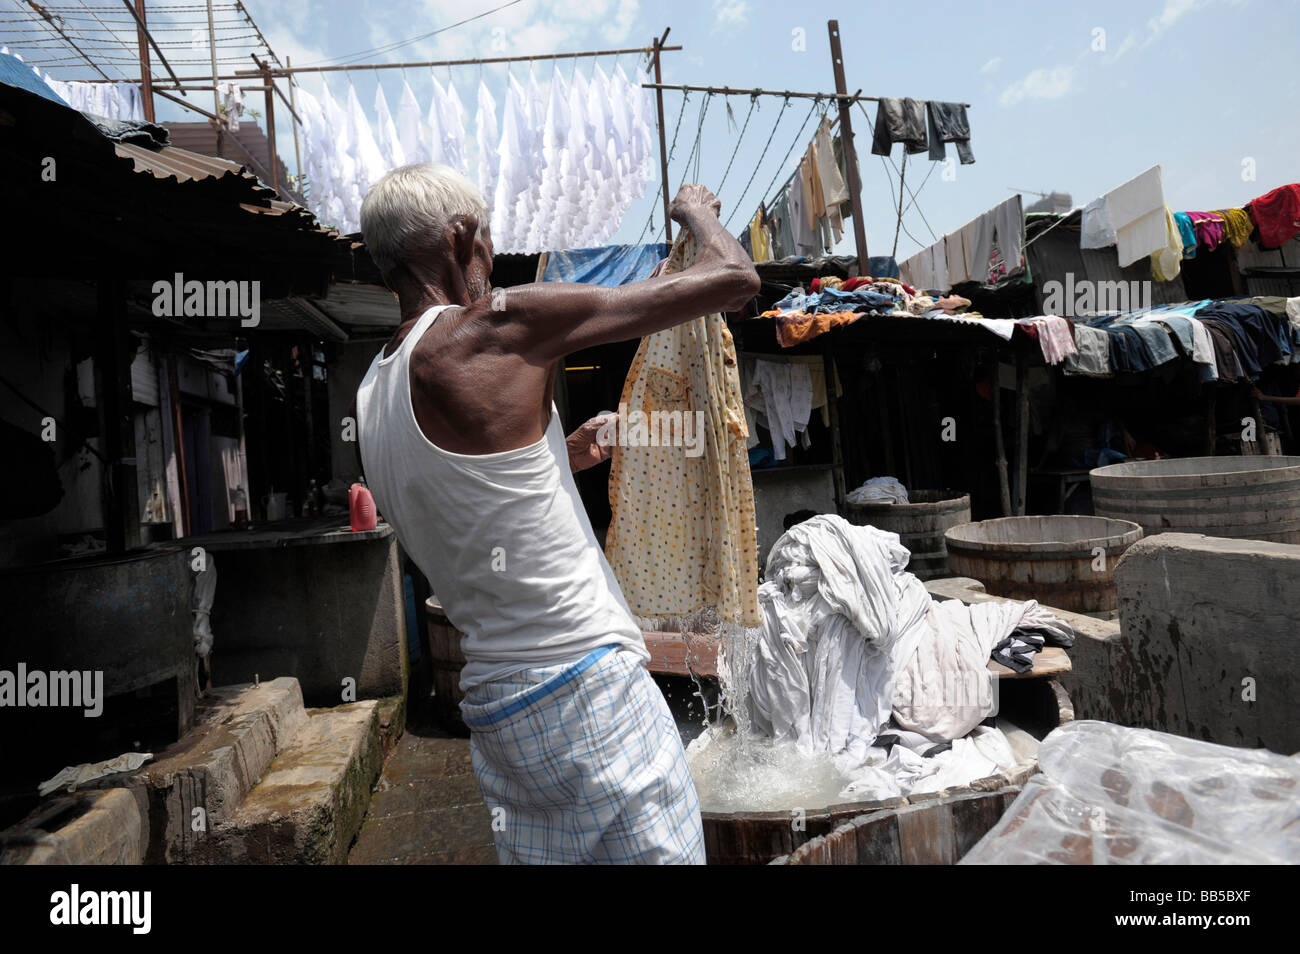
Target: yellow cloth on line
(760,246)
(682,536)
(1237,226)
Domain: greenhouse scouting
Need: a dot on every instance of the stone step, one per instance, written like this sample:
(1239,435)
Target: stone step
(96,827)
(258,779)
(310,803)
(198,783)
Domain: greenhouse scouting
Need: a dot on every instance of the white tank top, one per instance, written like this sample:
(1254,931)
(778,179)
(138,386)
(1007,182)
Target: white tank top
(502,538)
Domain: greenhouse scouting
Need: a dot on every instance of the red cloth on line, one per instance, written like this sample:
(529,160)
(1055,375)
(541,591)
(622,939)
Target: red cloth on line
(1277,215)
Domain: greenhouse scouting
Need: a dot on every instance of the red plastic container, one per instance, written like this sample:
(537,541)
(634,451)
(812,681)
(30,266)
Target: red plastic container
(361,506)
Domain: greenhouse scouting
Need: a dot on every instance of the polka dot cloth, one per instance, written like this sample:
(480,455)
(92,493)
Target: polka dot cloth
(683,536)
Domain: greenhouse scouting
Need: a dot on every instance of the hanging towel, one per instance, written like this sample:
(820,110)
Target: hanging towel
(1136,210)
(682,534)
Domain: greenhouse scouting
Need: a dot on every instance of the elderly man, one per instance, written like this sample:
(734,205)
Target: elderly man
(574,747)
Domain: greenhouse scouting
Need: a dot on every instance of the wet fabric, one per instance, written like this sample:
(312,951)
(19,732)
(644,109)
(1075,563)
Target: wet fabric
(1277,214)
(583,764)
(682,535)
(900,120)
(851,641)
(948,123)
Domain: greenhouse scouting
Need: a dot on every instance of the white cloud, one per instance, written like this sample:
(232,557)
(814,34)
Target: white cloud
(1039,84)
(1157,26)
(728,13)
(991,65)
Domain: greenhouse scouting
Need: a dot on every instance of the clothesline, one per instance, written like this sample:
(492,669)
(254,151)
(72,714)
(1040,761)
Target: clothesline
(787,94)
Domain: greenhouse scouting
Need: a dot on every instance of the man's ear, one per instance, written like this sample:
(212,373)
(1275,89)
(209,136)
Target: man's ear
(463,233)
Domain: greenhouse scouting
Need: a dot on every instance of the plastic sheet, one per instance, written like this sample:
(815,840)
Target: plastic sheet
(1115,795)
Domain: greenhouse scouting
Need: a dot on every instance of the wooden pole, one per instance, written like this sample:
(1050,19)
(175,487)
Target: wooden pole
(663,143)
(1022,433)
(270,128)
(146,78)
(850,153)
(999,442)
(357,67)
(216,94)
(832,405)
(183,519)
(116,423)
(293,107)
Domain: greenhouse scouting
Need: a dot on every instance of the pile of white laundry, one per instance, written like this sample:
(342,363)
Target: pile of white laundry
(558,168)
(856,661)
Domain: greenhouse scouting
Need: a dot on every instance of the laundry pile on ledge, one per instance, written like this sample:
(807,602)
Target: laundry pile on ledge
(857,662)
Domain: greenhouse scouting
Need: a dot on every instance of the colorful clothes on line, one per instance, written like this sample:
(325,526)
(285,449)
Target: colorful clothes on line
(1277,213)
(682,535)
(795,329)
(582,763)
(1054,337)
(1237,225)
(1209,228)
(1186,233)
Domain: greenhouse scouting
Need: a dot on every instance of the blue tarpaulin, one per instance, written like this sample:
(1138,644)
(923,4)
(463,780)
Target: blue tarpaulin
(611,265)
(14,72)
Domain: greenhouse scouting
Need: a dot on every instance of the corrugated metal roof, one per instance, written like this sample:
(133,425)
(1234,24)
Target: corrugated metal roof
(183,165)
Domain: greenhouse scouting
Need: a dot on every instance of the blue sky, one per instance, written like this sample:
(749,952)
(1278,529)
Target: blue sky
(1068,97)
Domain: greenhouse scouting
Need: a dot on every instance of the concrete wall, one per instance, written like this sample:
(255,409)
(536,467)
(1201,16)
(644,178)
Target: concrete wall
(1203,621)
(320,613)
(351,362)
(778,493)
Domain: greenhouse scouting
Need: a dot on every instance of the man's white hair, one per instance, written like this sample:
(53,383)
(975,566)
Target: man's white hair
(409,208)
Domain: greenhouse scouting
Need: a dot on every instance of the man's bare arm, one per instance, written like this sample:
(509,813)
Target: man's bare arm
(549,320)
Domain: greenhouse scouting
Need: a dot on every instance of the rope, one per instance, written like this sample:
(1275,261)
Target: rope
(872,129)
(699,134)
(767,145)
(794,142)
(753,101)
(672,151)
(902,179)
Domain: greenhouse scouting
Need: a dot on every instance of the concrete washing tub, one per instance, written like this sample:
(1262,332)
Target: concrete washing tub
(1062,561)
(929,828)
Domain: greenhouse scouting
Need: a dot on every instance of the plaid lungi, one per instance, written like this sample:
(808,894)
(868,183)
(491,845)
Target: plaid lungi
(582,764)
